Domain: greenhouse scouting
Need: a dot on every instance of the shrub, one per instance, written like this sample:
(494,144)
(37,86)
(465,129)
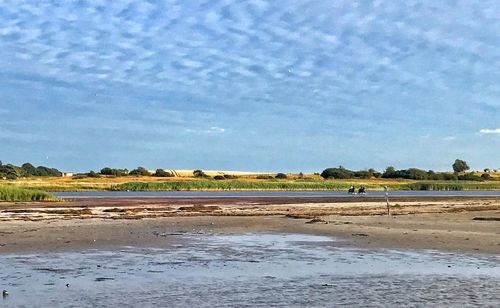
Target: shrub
(230,176)
(45,171)
(486,176)
(281,176)
(10,172)
(79,176)
(469,177)
(264,177)
(92,174)
(199,174)
(29,169)
(115,172)
(363,174)
(337,173)
(140,171)
(219,177)
(162,173)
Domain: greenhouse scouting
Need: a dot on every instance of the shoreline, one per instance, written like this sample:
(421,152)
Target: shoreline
(465,225)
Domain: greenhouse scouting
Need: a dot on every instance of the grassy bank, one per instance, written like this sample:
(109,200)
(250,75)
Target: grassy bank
(450,185)
(146,183)
(297,185)
(18,194)
(233,185)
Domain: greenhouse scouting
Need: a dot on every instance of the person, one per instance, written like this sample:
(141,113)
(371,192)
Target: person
(361,190)
(351,190)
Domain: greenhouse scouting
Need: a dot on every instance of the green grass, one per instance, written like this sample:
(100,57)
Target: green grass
(449,185)
(235,185)
(15,194)
(297,185)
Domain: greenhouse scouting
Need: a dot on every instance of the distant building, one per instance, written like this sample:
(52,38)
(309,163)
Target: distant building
(67,174)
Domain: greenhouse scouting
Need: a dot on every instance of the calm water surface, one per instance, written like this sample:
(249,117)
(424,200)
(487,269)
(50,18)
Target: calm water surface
(277,193)
(291,270)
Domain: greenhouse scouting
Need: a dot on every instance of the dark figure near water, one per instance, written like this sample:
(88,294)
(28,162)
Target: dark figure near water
(351,190)
(361,190)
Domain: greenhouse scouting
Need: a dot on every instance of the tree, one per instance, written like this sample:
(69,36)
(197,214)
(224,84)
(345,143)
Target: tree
(390,172)
(29,169)
(140,171)
(337,173)
(460,166)
(92,174)
(106,171)
(281,176)
(162,173)
(199,174)
(486,176)
(114,172)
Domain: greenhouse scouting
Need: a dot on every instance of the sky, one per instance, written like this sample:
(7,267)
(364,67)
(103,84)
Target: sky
(251,85)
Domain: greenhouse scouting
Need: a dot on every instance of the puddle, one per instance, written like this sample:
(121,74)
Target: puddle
(249,269)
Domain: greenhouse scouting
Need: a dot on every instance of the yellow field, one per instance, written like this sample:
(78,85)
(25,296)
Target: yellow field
(105,182)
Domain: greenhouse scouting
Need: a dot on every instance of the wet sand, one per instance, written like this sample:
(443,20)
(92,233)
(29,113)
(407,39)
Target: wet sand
(450,223)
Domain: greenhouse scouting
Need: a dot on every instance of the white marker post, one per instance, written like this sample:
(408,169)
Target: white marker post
(386,192)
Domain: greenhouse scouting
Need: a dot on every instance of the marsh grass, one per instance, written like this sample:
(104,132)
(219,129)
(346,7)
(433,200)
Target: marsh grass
(298,185)
(235,185)
(449,185)
(178,183)
(15,194)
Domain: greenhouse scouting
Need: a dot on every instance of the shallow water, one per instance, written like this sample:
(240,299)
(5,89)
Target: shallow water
(249,270)
(275,193)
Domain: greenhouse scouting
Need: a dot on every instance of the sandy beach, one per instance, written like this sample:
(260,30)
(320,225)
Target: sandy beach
(449,223)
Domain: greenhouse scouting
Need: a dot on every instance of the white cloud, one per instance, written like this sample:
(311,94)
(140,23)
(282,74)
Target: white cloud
(490,131)
(211,130)
(449,138)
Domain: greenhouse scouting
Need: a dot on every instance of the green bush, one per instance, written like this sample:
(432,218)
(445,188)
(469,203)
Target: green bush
(219,177)
(486,176)
(93,174)
(469,177)
(337,173)
(162,173)
(281,176)
(114,172)
(79,176)
(200,174)
(140,171)
(264,177)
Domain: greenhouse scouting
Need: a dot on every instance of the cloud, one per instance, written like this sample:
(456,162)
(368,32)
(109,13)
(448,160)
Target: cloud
(324,67)
(490,131)
(449,138)
(212,130)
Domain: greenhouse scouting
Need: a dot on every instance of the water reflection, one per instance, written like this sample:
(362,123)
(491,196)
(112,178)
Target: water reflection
(249,269)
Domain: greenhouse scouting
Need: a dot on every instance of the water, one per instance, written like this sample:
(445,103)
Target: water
(303,193)
(291,270)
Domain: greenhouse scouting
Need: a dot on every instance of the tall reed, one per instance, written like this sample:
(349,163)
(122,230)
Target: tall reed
(14,194)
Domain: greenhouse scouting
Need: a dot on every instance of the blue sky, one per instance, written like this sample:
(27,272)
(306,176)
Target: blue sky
(250,85)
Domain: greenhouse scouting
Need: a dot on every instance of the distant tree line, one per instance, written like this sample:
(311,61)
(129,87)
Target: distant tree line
(12,172)
(459,173)
(139,171)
